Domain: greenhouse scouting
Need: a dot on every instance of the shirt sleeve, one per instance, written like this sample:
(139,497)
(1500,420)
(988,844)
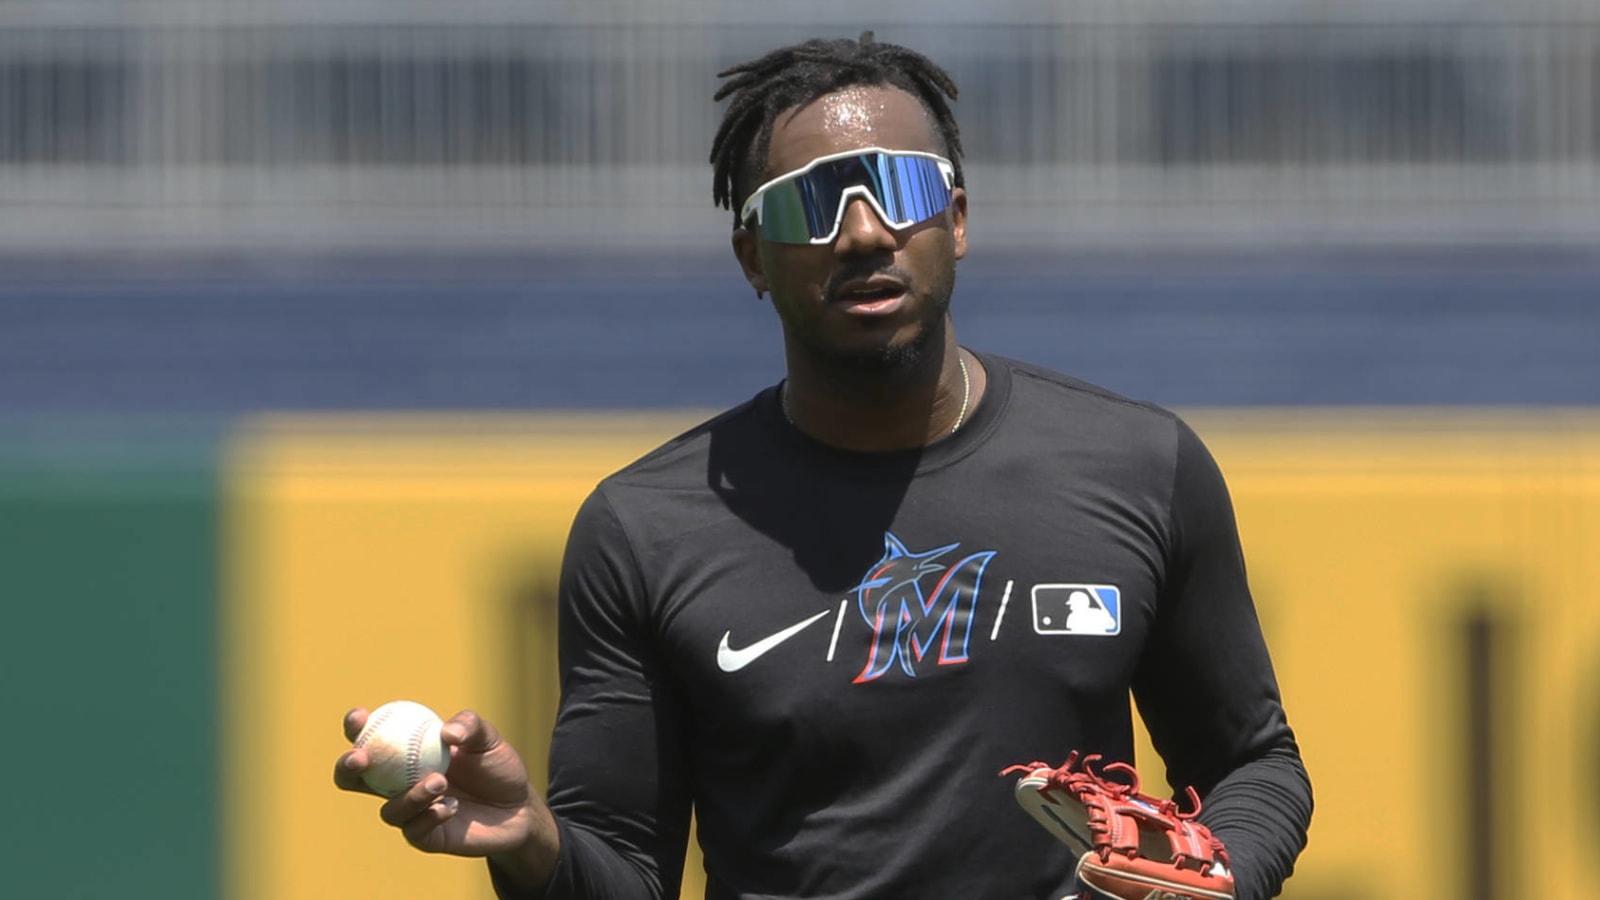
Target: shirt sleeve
(618,781)
(1207,691)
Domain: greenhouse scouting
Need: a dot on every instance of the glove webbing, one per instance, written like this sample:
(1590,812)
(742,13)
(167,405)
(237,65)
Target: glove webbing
(1115,823)
(1116,809)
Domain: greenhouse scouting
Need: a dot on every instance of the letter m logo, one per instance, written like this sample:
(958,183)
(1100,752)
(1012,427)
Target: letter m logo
(916,604)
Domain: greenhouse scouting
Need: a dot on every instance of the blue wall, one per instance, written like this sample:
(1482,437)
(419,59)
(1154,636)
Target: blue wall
(221,337)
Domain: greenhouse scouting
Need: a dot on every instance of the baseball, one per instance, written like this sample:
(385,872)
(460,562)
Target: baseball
(403,746)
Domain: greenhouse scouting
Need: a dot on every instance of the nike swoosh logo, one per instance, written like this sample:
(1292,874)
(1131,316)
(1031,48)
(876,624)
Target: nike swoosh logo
(731,660)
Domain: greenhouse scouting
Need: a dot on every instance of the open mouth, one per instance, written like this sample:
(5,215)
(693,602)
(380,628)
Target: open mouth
(871,298)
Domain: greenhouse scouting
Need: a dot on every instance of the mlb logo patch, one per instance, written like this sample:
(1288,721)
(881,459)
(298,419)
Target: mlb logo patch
(1081,609)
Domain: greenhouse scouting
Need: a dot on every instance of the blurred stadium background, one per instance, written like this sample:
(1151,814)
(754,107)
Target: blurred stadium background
(317,320)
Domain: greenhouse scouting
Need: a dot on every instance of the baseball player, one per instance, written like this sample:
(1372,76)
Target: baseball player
(828,618)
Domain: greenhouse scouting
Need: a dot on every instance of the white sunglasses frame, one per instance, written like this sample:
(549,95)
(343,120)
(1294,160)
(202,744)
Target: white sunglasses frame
(752,206)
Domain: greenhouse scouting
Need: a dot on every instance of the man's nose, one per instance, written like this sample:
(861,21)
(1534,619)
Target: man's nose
(862,231)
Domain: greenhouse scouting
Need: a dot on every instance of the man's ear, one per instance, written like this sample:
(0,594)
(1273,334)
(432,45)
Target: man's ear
(958,220)
(748,251)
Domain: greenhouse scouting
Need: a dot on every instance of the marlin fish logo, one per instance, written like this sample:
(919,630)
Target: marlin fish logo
(914,602)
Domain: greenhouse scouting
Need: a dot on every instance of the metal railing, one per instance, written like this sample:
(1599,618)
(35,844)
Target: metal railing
(282,121)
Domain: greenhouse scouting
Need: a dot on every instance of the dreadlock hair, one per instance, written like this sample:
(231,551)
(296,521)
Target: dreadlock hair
(799,73)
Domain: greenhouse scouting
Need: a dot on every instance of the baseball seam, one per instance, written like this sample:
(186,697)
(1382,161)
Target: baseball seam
(414,754)
(373,724)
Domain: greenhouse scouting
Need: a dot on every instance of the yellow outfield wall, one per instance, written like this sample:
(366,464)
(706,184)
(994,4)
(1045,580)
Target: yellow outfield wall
(1425,580)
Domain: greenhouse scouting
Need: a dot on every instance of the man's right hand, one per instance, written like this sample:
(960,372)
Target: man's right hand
(485,808)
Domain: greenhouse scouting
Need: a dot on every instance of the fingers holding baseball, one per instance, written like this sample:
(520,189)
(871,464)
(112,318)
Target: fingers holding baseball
(394,747)
(482,764)
(354,721)
(470,732)
(423,795)
(348,771)
(420,811)
(452,786)
(424,831)
(434,817)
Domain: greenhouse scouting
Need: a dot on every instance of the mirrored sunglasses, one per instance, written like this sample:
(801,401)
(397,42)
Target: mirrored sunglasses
(806,206)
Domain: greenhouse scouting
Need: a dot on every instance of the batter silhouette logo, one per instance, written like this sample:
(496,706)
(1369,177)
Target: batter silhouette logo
(919,604)
(1082,609)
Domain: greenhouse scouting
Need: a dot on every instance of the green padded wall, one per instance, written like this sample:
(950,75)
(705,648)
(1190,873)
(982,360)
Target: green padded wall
(108,584)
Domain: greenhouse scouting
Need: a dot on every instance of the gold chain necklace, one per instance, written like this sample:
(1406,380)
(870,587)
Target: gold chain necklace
(966,396)
(966,392)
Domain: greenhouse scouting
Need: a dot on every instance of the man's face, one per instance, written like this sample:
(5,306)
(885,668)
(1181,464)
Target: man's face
(875,296)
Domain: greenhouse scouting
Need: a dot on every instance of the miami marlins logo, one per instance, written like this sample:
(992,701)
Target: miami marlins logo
(914,602)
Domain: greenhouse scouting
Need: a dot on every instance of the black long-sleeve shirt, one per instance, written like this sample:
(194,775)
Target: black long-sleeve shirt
(832,655)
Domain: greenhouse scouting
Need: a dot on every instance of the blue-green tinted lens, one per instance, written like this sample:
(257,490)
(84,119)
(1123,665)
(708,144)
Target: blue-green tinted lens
(804,210)
(786,214)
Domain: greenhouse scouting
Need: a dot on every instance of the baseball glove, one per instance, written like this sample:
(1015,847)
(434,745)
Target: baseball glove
(1133,846)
